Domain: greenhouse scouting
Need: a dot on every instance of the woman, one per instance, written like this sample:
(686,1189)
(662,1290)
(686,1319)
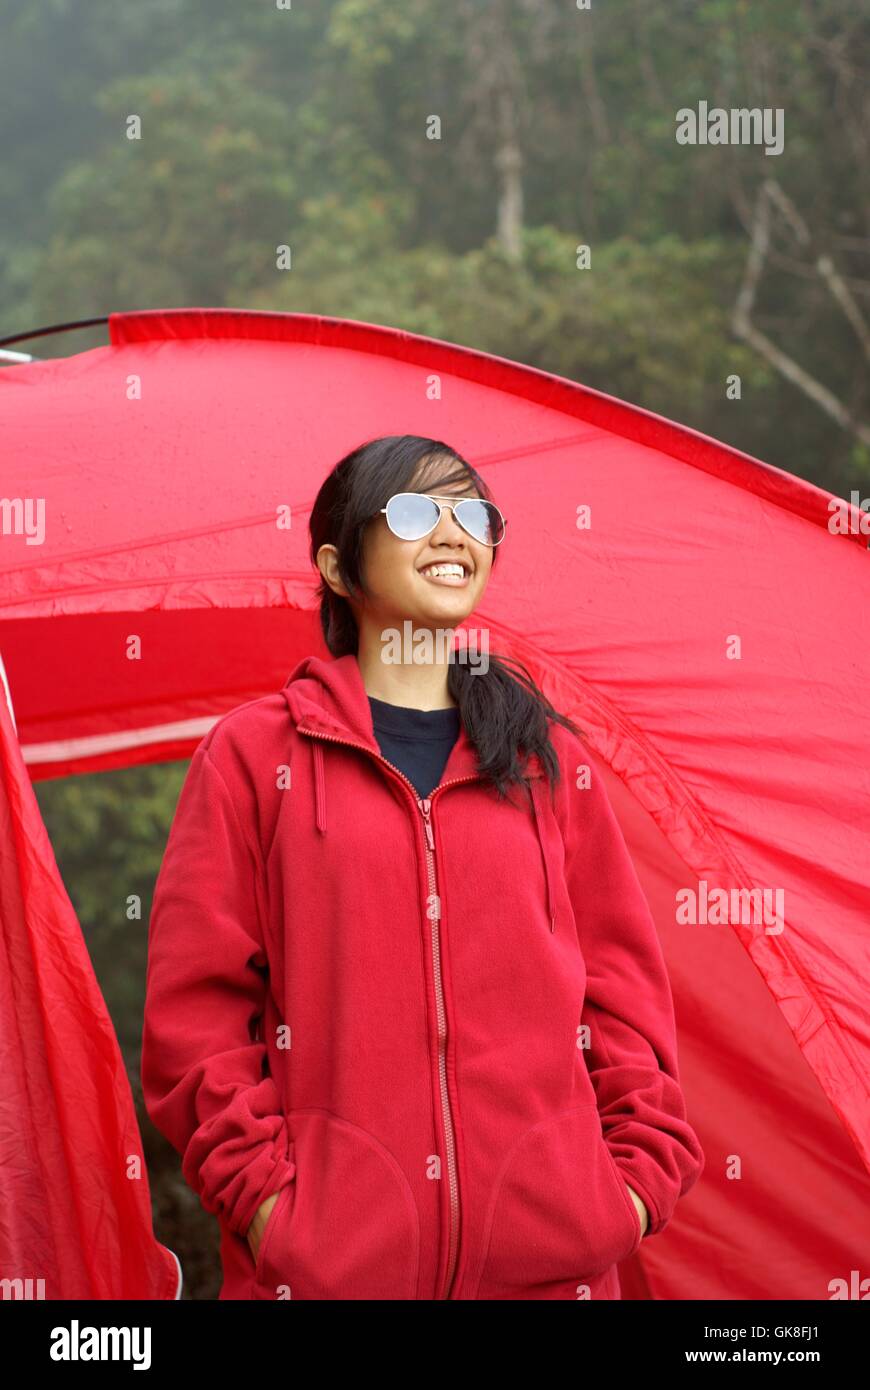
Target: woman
(407,1020)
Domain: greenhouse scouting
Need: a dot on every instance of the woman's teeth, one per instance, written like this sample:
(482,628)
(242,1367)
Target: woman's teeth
(446,574)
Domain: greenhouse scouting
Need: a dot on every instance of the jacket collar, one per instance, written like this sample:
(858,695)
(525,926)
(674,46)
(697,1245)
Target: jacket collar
(329,697)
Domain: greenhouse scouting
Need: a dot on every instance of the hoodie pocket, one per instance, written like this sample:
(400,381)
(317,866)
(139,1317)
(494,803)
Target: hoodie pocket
(347,1226)
(560,1210)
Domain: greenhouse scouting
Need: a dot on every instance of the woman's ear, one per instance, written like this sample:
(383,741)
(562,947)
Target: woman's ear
(327,563)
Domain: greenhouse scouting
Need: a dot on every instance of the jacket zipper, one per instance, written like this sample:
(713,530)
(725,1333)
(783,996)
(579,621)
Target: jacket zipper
(424,805)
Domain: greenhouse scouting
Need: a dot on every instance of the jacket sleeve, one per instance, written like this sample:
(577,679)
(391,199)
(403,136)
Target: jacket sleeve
(205,1078)
(632,1052)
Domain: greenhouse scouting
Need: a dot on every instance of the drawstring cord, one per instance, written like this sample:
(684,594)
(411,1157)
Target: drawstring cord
(319,786)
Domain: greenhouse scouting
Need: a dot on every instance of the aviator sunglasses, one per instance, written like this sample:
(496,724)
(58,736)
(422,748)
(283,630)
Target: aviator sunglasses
(412,515)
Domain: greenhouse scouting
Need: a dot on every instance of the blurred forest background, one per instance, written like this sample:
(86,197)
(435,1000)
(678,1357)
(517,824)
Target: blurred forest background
(307,126)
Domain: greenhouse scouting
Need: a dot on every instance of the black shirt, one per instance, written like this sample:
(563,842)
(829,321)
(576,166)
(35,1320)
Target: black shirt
(417,741)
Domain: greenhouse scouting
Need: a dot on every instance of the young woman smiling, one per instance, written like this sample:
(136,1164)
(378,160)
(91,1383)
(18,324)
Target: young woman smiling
(408,1020)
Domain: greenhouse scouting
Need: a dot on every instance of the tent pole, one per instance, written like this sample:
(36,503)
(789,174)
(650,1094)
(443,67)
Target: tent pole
(52,328)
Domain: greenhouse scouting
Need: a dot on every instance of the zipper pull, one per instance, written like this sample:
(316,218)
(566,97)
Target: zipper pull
(426,806)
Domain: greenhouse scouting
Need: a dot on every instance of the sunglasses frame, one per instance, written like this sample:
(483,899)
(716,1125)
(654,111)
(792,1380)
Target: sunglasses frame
(441,502)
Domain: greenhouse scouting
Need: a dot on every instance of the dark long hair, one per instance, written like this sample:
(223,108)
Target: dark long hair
(502,710)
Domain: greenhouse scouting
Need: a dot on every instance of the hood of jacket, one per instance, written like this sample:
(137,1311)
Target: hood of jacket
(328,698)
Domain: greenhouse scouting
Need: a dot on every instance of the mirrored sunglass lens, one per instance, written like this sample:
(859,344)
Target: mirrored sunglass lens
(411,515)
(482,519)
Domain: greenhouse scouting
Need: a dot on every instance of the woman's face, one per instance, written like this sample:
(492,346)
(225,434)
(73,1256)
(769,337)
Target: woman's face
(397,575)
(393,570)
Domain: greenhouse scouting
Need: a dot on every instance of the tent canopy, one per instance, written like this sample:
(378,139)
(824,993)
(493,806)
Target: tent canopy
(703,622)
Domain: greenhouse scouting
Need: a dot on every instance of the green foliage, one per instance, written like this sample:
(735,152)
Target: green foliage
(109,831)
(308,128)
(181,209)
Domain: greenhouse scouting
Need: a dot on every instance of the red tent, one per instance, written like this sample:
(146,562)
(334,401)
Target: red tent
(76,1214)
(700,614)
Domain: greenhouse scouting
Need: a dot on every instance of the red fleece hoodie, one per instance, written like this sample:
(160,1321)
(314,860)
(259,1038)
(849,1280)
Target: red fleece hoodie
(442,1030)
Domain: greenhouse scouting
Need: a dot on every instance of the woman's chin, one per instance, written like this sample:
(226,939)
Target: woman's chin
(422,626)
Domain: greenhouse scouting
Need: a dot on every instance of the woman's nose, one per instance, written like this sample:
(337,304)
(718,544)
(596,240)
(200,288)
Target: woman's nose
(448,527)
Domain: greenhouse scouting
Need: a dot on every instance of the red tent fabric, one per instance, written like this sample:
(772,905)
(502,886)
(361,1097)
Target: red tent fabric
(696,611)
(75,1221)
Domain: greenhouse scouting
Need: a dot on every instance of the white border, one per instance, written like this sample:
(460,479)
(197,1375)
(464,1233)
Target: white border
(180,1274)
(8,695)
(93,744)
